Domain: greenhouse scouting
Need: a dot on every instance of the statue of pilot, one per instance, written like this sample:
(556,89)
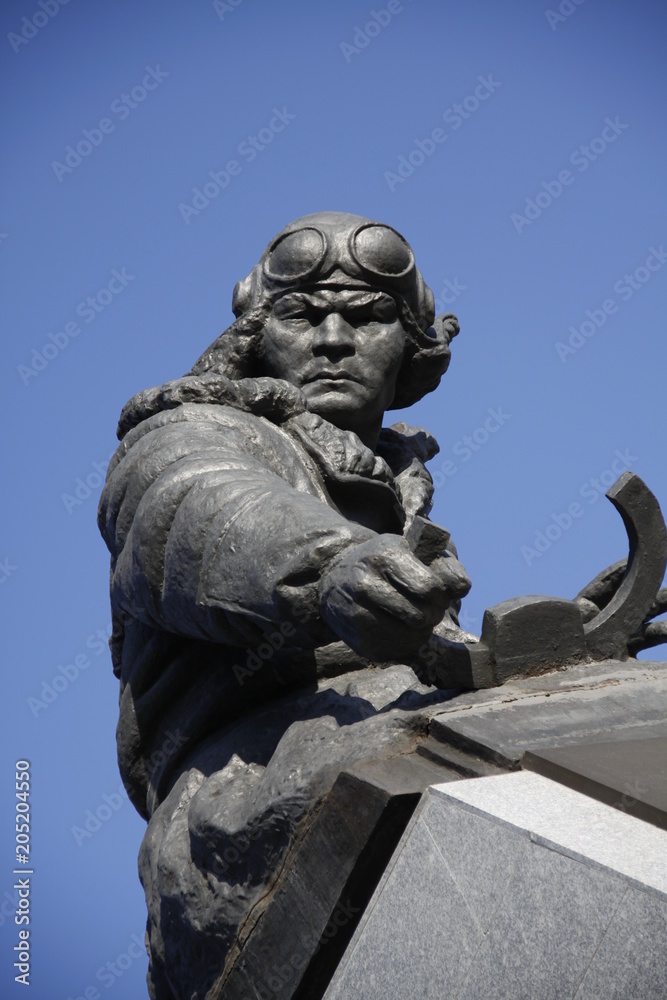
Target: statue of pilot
(268,607)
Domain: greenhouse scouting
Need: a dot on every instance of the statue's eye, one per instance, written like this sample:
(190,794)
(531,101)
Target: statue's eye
(381,310)
(291,307)
(384,310)
(360,315)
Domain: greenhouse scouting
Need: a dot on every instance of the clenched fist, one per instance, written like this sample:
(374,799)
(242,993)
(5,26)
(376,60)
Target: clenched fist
(383,602)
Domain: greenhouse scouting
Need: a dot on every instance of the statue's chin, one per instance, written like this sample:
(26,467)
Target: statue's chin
(341,401)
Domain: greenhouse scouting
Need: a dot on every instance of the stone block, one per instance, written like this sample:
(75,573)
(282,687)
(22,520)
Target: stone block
(515,886)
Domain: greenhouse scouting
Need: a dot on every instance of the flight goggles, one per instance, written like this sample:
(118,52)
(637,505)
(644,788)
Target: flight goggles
(361,254)
(372,252)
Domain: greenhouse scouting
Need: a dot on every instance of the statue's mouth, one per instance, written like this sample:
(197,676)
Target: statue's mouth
(332,376)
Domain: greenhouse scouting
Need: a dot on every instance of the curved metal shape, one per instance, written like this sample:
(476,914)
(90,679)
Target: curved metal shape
(608,633)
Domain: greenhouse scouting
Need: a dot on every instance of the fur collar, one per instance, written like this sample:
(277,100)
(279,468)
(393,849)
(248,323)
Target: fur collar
(401,453)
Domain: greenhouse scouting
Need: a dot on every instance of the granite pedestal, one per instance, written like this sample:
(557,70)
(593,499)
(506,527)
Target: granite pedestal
(514,886)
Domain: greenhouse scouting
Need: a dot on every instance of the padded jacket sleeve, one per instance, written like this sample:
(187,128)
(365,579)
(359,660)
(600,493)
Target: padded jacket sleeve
(207,539)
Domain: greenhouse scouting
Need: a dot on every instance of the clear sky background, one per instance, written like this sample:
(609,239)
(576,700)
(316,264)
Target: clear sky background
(356,105)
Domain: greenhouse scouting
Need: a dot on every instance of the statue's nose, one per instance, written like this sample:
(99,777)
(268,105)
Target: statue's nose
(334,332)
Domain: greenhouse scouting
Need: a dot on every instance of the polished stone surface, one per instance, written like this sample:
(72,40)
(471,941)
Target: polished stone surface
(568,822)
(631,776)
(517,887)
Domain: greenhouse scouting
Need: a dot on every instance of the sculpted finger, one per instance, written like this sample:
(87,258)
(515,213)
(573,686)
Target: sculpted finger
(411,577)
(452,576)
(366,590)
(377,634)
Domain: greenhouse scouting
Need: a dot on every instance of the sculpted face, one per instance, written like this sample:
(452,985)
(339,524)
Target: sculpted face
(343,349)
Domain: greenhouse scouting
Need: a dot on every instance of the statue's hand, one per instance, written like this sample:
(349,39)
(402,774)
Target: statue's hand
(383,602)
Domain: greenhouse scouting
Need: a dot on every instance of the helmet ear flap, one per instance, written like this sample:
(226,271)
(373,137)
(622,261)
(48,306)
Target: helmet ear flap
(241,296)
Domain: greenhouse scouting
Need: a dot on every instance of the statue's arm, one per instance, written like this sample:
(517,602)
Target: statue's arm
(206,540)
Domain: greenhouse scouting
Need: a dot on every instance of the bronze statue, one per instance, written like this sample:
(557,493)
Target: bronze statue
(279,596)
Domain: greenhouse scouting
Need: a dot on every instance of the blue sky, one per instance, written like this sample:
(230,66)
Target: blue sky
(521,152)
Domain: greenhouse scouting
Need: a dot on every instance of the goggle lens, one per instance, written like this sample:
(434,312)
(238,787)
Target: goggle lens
(296,255)
(381,250)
